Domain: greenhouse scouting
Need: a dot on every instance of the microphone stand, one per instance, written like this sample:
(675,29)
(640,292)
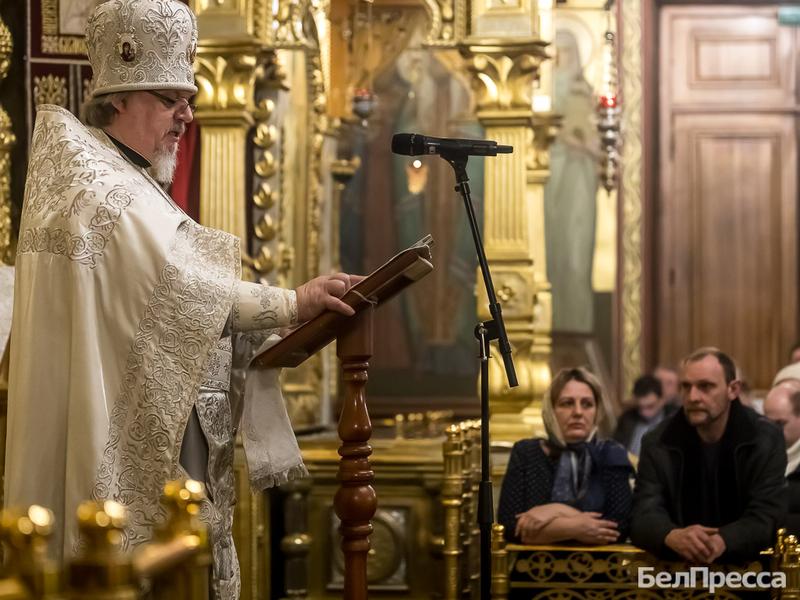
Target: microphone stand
(485,332)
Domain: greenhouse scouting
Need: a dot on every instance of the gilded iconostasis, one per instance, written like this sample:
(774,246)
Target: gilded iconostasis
(290,149)
(314,100)
(425,91)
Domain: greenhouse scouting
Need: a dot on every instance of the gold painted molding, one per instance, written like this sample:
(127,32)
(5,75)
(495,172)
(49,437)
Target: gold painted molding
(504,74)
(266,208)
(631,227)
(546,126)
(289,30)
(318,104)
(226,77)
(265,179)
(249,20)
(222,177)
(52,40)
(7,141)
(506,18)
(50,89)
(448,22)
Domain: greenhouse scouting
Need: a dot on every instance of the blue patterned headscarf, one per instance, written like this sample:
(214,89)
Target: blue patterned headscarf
(571,480)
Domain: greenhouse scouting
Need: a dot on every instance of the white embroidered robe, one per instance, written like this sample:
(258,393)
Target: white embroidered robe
(119,308)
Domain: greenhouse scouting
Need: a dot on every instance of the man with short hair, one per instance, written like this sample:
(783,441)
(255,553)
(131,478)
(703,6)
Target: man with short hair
(710,485)
(669,385)
(782,407)
(132,329)
(649,411)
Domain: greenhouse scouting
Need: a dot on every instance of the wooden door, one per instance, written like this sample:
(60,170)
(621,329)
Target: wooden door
(726,220)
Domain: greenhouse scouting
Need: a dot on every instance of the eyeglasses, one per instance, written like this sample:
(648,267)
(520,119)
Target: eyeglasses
(179,105)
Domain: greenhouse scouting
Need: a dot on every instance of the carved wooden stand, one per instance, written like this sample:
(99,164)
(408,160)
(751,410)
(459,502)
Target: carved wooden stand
(356,501)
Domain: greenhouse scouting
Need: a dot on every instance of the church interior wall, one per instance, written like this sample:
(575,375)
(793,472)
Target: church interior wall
(62,78)
(616,322)
(56,74)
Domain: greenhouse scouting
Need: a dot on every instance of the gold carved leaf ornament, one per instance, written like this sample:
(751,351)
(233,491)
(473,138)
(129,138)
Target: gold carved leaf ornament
(50,89)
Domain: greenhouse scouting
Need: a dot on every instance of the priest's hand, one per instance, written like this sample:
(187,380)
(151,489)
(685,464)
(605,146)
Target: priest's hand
(324,293)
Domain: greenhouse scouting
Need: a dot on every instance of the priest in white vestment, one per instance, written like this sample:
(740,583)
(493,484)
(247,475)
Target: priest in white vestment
(132,329)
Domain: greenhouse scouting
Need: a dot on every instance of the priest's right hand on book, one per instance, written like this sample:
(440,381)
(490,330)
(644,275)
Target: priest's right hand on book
(324,293)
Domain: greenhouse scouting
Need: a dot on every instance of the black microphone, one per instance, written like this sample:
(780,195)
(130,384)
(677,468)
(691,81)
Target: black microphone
(413,144)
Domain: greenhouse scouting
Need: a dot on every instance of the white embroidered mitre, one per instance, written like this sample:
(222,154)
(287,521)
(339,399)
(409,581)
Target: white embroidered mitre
(142,45)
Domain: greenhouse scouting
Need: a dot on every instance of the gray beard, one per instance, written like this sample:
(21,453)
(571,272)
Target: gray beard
(163,167)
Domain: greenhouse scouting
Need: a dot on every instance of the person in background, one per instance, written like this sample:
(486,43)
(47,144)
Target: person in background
(669,385)
(710,486)
(572,485)
(782,407)
(794,353)
(649,410)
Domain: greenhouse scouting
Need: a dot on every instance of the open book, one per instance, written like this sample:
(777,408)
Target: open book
(385,282)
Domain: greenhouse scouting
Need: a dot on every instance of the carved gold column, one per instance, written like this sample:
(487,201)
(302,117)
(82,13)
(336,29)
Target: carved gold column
(7,141)
(226,78)
(233,47)
(503,76)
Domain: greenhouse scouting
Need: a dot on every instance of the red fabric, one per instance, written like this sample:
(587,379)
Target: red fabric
(185,189)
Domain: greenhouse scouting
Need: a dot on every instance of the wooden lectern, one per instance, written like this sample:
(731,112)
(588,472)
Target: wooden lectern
(355,501)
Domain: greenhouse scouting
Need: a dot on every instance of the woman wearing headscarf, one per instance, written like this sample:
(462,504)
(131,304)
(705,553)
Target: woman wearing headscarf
(572,485)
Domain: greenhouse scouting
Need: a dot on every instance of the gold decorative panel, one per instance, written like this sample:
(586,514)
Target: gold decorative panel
(6,48)
(631,226)
(7,141)
(448,22)
(63,22)
(608,573)
(222,7)
(224,18)
(50,89)
(265,210)
(289,31)
(503,74)
(319,123)
(504,19)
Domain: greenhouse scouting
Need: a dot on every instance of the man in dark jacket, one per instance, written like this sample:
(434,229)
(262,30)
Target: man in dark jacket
(711,482)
